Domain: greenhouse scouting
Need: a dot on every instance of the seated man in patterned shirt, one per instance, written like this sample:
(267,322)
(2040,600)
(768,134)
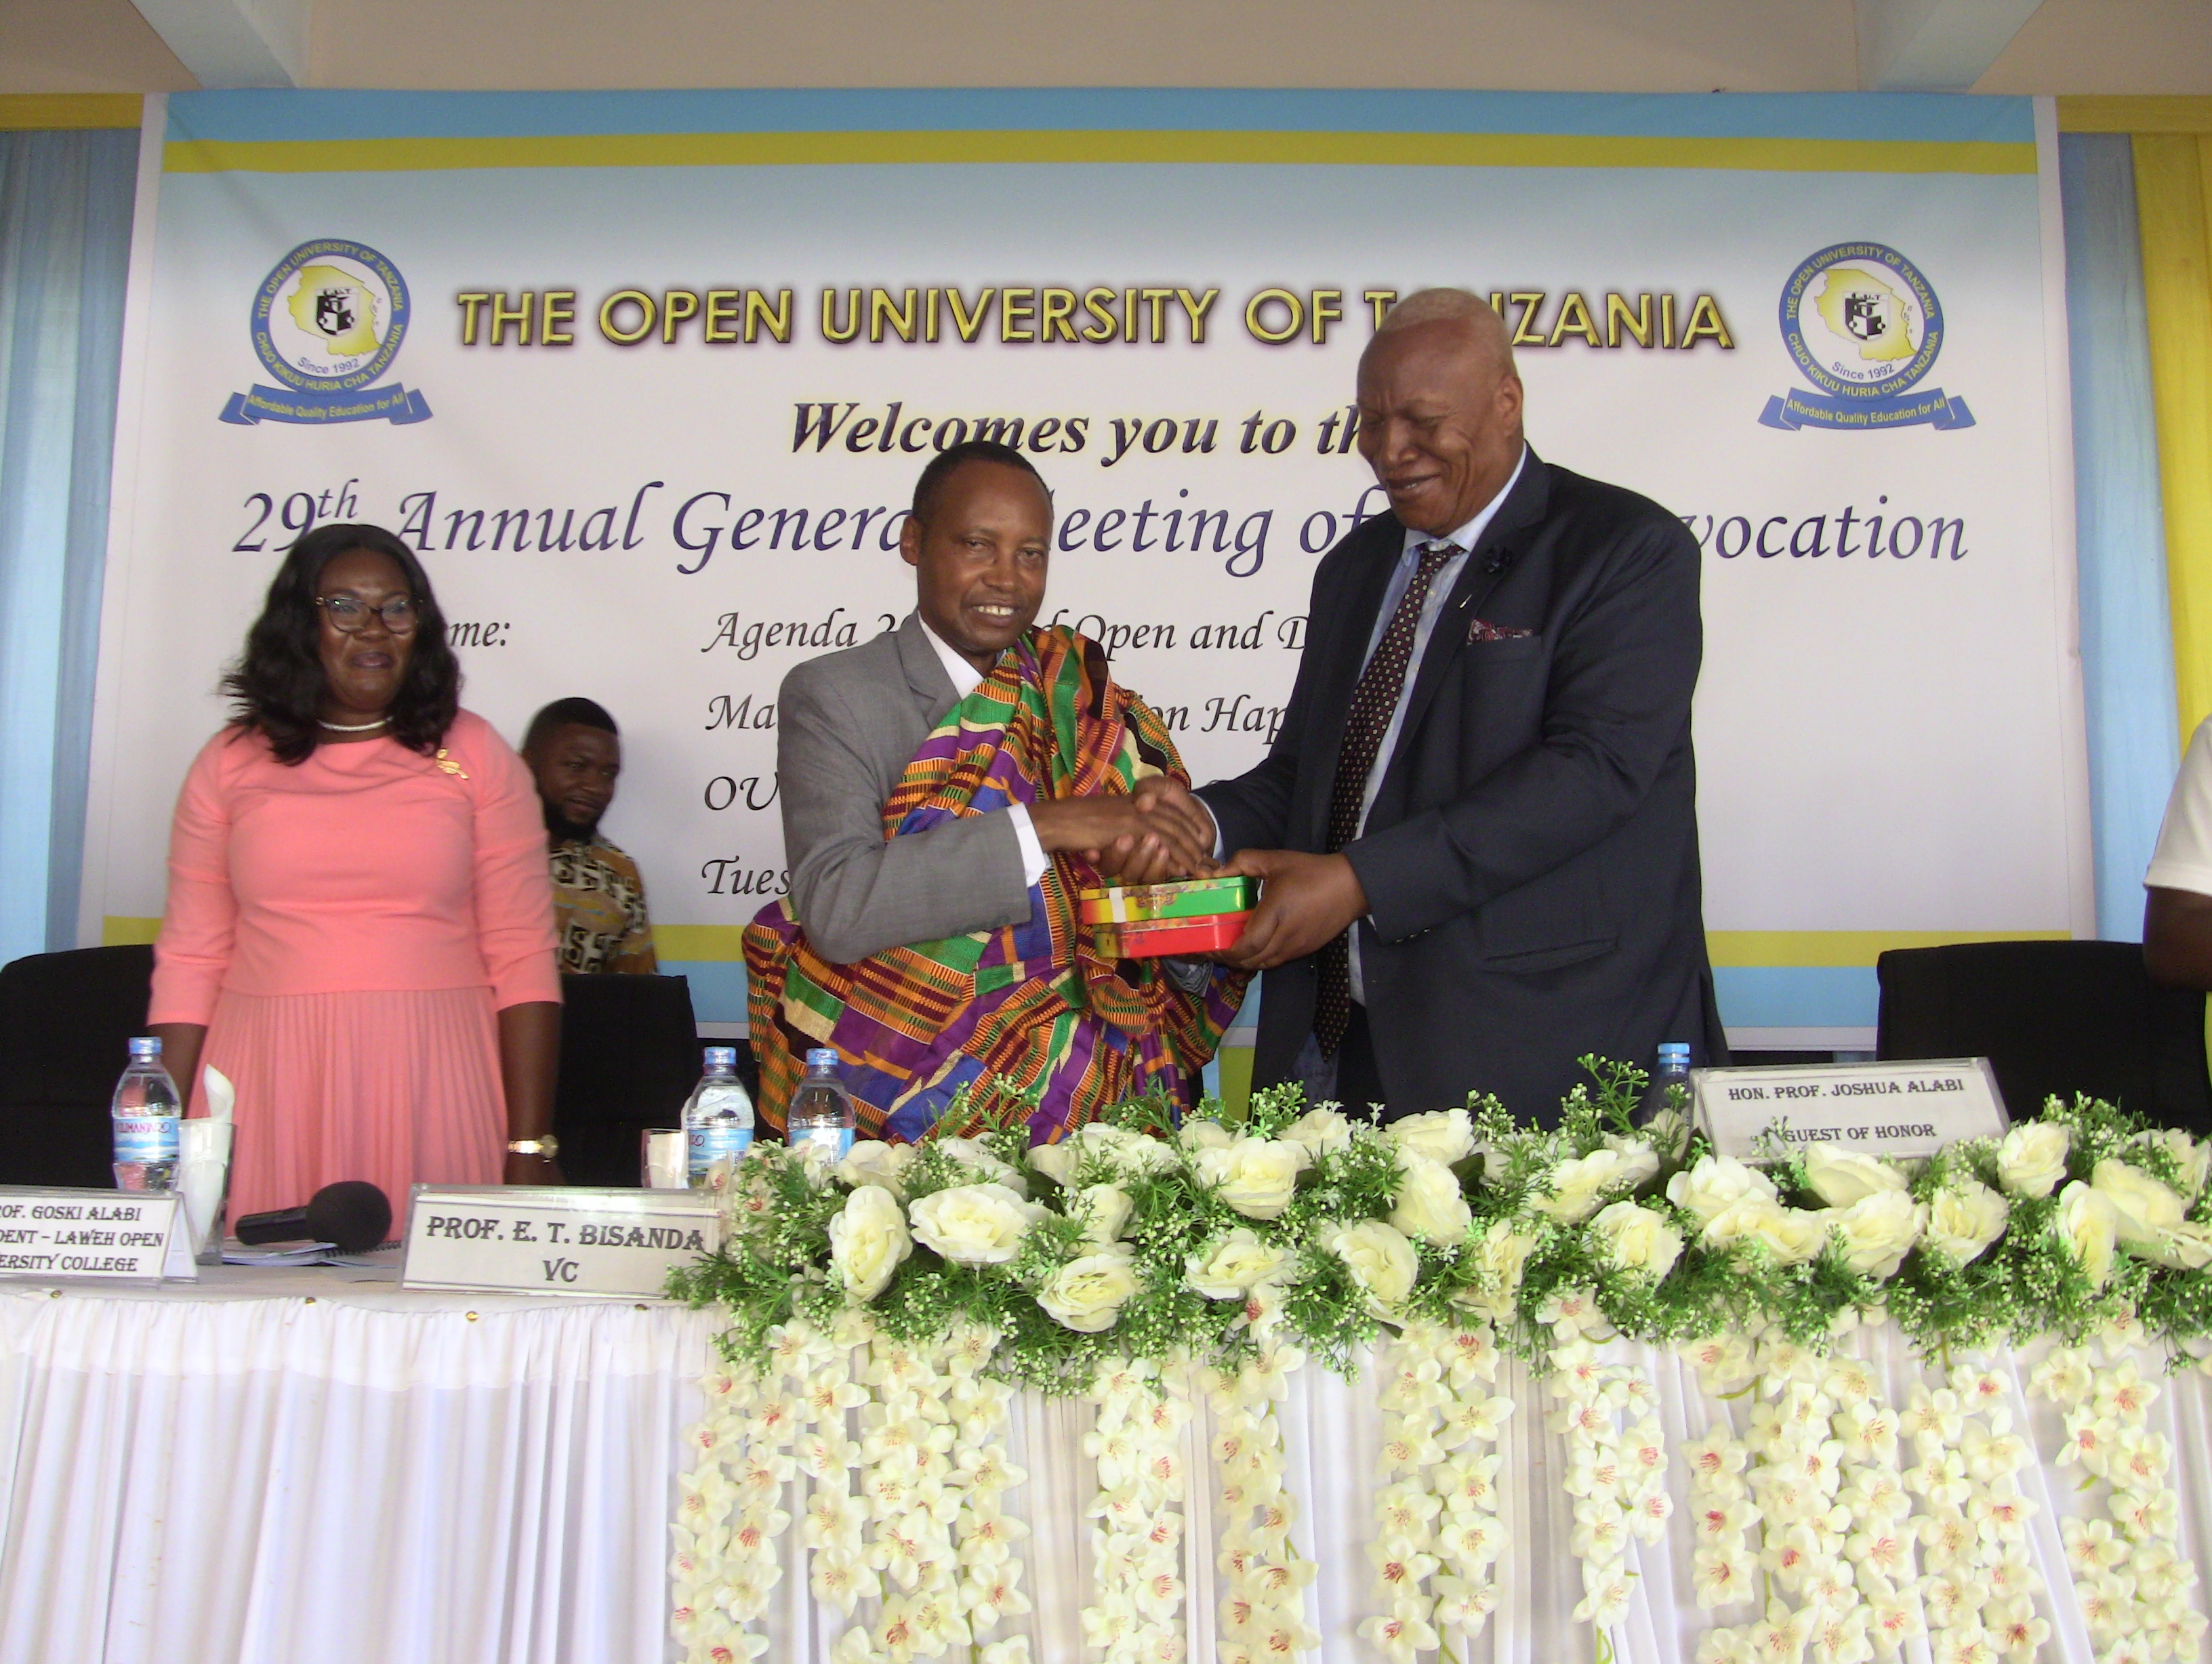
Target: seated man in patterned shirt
(599,899)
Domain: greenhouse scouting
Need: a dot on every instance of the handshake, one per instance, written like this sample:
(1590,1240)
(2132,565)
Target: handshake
(1161,831)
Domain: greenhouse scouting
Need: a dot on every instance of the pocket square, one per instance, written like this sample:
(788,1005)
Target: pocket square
(1483,630)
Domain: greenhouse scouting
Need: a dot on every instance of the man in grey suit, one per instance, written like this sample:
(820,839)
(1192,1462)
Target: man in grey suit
(979,540)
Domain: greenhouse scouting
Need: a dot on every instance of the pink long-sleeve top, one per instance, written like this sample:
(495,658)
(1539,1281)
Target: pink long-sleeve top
(368,867)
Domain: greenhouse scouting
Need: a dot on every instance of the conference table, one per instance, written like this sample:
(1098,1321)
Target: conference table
(279,1465)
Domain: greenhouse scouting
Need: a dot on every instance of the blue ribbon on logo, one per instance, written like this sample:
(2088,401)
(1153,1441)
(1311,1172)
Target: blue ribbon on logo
(259,404)
(1797,409)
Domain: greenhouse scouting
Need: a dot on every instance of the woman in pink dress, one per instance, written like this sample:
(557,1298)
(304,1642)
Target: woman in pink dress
(360,923)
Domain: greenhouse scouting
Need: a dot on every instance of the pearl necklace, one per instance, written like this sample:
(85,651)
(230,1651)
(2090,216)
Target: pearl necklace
(353,727)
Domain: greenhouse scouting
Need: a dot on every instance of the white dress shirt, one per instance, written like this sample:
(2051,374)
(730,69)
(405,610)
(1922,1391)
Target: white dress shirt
(965,677)
(2183,860)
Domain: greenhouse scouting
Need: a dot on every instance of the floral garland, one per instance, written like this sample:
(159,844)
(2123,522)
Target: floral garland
(1616,1473)
(729,1512)
(1202,1252)
(1438,1504)
(1978,1596)
(1818,1472)
(2128,1575)
(1263,1613)
(1136,1547)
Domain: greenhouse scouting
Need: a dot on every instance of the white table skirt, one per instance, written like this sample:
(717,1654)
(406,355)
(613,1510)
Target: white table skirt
(288,1466)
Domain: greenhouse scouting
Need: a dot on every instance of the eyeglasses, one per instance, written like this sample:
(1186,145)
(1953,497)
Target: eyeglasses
(350,614)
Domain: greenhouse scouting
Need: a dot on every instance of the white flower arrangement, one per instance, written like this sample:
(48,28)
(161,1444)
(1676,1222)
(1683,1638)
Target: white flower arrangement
(730,1515)
(1136,1542)
(1816,1472)
(1263,1576)
(1616,1456)
(1435,1515)
(1157,1256)
(2130,1577)
(1977,1591)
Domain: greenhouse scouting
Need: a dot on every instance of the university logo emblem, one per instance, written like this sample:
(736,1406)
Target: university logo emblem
(1864,328)
(327,323)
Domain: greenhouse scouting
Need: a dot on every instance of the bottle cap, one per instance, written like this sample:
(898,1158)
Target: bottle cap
(822,1057)
(721,1057)
(145,1045)
(1674,1051)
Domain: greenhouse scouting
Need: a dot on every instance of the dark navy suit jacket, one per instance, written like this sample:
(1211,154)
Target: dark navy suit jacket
(1531,858)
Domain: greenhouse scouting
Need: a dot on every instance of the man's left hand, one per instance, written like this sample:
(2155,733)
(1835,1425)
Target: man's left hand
(1305,900)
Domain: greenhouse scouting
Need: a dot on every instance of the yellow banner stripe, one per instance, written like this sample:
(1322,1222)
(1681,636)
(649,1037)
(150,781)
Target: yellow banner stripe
(25,112)
(1789,950)
(699,941)
(1787,156)
(2126,114)
(1779,950)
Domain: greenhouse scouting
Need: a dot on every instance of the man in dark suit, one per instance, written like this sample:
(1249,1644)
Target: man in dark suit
(1477,828)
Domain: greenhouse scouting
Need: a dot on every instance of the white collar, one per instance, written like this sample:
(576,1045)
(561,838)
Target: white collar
(1470,534)
(965,675)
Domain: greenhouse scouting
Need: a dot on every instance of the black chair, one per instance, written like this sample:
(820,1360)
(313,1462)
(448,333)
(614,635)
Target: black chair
(2053,1018)
(630,1057)
(65,1023)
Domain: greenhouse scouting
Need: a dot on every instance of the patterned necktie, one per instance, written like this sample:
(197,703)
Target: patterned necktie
(1373,702)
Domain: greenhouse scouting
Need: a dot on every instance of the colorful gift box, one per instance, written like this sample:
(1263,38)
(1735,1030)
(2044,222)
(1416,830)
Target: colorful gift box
(1186,898)
(1150,922)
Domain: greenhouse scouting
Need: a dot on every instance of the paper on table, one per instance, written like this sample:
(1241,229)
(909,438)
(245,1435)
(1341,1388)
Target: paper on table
(235,1252)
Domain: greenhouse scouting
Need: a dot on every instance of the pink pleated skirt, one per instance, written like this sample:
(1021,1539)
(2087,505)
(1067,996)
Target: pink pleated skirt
(396,1088)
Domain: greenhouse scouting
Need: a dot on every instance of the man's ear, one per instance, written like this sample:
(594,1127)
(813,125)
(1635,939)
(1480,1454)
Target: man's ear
(1508,395)
(910,542)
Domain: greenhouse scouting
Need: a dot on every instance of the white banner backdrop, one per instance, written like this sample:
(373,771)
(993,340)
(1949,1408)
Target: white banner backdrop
(647,379)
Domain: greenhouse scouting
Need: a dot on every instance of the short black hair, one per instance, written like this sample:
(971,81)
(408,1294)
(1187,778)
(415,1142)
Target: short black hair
(278,686)
(568,714)
(945,463)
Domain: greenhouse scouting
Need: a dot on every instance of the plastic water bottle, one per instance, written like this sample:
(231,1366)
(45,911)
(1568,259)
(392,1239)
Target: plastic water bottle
(145,1113)
(718,1119)
(821,1109)
(1674,1070)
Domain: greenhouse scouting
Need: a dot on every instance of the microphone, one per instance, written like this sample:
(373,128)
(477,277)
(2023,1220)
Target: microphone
(352,1215)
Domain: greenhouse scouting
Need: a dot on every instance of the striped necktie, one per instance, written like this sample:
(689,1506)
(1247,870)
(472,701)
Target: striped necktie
(1373,703)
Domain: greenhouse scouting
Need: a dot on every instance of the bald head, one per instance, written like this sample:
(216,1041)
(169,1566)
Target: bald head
(1440,407)
(1476,320)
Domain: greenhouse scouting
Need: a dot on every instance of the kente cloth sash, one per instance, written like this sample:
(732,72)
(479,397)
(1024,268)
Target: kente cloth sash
(1027,1017)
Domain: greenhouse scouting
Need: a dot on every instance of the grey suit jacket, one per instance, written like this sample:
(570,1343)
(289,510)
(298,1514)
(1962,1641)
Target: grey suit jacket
(848,725)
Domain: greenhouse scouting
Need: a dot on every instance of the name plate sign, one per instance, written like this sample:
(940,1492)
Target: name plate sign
(519,1239)
(1899,1109)
(115,1236)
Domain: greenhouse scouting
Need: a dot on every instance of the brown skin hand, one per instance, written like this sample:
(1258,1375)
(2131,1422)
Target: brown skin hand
(980,568)
(575,769)
(2177,937)
(1305,902)
(1440,424)
(181,1052)
(529,1065)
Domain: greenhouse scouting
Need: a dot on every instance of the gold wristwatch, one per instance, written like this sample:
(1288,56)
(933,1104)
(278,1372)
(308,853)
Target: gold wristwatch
(545,1146)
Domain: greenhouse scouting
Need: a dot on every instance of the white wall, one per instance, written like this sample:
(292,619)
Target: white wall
(1659,46)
